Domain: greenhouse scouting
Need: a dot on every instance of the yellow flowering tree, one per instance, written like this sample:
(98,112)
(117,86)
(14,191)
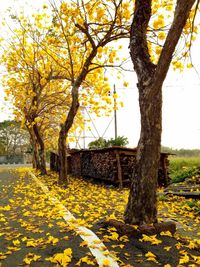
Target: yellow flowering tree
(38,101)
(80,38)
(50,75)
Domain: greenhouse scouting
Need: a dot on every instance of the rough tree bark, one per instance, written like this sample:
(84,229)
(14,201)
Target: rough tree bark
(62,148)
(36,159)
(62,151)
(142,203)
(42,156)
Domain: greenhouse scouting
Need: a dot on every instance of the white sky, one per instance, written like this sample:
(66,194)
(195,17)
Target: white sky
(181,103)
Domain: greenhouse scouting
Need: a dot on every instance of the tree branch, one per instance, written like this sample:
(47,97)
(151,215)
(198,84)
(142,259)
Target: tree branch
(181,15)
(138,41)
(85,30)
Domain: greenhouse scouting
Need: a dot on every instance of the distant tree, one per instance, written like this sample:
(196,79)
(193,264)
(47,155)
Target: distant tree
(182,152)
(38,102)
(119,141)
(102,143)
(99,143)
(13,139)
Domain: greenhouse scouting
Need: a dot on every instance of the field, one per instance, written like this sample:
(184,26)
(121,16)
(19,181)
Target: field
(183,167)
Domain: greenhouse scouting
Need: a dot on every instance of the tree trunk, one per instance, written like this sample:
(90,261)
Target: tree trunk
(62,149)
(42,160)
(36,159)
(62,152)
(42,156)
(142,203)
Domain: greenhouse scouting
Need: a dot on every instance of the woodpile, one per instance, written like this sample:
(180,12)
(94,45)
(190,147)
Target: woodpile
(113,164)
(95,164)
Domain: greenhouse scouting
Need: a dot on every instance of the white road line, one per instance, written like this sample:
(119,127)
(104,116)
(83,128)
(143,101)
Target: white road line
(96,246)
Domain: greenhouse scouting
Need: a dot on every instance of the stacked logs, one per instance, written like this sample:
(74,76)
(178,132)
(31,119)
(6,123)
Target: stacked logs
(114,164)
(98,165)
(75,164)
(127,164)
(107,164)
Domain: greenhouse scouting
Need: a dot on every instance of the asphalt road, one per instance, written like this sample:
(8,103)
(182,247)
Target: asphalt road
(32,231)
(29,225)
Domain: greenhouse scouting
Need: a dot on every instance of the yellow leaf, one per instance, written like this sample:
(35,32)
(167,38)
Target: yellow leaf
(192,245)
(152,239)
(3,257)
(57,258)
(125,84)
(84,243)
(13,248)
(68,251)
(184,259)
(53,240)
(27,260)
(5,208)
(16,242)
(167,248)
(85,259)
(124,238)
(36,257)
(166,233)
(106,263)
(31,243)
(152,259)
(196,259)
(97,241)
(150,254)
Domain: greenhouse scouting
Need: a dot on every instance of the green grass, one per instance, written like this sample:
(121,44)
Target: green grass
(181,168)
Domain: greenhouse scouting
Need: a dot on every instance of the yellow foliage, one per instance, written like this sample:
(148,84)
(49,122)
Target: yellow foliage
(125,84)
(184,259)
(92,207)
(161,35)
(16,242)
(106,263)
(166,233)
(151,257)
(64,50)
(159,22)
(152,239)
(85,259)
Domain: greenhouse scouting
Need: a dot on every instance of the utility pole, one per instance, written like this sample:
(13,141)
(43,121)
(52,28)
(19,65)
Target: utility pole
(115,111)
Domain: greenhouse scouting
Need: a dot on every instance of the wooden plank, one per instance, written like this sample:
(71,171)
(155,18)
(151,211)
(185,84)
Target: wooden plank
(195,195)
